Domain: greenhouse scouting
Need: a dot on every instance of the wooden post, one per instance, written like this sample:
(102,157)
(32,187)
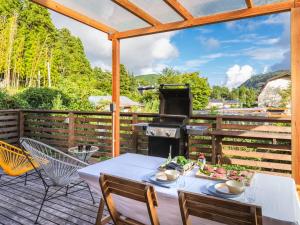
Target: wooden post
(21,124)
(217,141)
(295,71)
(116,96)
(71,136)
(135,133)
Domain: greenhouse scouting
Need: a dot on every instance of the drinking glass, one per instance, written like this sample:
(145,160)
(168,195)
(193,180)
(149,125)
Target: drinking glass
(181,181)
(250,192)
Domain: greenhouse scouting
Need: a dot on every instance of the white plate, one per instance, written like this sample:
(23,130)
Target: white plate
(153,178)
(223,189)
(212,190)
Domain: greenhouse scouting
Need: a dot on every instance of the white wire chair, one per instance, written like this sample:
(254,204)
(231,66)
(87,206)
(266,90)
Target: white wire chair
(59,167)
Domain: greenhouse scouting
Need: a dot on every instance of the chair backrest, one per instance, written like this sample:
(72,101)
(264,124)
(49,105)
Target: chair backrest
(128,189)
(218,210)
(60,167)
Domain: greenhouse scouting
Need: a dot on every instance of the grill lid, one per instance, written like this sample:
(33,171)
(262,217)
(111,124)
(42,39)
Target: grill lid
(175,99)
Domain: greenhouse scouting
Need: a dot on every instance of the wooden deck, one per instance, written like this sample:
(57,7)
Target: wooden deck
(19,204)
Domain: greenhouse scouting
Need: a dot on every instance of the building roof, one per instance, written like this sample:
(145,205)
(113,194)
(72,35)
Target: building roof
(224,101)
(215,101)
(283,75)
(232,101)
(287,75)
(125,102)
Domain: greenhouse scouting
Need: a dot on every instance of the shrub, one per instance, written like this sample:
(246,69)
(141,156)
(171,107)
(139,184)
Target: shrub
(9,102)
(44,98)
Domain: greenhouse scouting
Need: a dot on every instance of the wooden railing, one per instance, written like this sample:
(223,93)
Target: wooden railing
(10,126)
(259,143)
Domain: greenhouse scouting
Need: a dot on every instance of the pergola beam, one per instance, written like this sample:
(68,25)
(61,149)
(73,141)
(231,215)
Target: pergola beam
(129,6)
(295,72)
(176,6)
(249,3)
(75,15)
(218,18)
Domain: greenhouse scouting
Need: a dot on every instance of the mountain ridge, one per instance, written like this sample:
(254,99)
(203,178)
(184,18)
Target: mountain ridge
(258,81)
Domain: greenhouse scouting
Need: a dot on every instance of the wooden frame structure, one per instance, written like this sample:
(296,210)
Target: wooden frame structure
(188,20)
(137,191)
(216,209)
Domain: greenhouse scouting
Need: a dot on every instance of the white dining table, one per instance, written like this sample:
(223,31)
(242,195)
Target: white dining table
(275,194)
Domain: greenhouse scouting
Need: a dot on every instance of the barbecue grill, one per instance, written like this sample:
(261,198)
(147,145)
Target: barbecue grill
(170,130)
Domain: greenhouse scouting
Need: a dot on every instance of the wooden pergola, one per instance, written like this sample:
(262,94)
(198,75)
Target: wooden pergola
(187,19)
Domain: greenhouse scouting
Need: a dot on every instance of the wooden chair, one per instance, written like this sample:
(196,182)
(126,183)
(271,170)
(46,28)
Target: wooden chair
(218,210)
(128,189)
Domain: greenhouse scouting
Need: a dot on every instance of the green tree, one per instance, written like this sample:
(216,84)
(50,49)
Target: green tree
(220,93)
(285,96)
(128,84)
(246,96)
(200,89)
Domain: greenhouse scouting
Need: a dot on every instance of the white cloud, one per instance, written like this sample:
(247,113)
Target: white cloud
(232,25)
(269,41)
(236,75)
(154,69)
(273,53)
(204,30)
(147,53)
(284,64)
(209,43)
(194,63)
(266,69)
(212,43)
(282,18)
(251,25)
(163,48)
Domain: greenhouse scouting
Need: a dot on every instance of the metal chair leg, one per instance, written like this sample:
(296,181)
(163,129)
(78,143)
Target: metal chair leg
(67,189)
(44,199)
(91,194)
(25,179)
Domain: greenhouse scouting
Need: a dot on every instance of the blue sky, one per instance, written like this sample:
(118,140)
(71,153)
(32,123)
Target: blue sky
(227,53)
(260,43)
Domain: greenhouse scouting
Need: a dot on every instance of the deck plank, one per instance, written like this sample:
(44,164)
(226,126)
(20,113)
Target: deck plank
(19,204)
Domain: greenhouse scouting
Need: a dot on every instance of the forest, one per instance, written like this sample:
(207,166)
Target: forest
(43,67)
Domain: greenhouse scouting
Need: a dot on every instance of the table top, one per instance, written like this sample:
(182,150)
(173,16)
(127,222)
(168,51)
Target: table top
(275,194)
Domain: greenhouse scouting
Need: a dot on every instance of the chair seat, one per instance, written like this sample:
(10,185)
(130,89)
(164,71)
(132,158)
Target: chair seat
(60,168)
(13,161)
(17,170)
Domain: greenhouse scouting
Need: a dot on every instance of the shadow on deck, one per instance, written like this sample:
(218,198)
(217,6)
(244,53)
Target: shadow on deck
(19,204)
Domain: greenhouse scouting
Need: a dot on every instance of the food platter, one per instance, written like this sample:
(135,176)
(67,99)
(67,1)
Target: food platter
(225,173)
(179,163)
